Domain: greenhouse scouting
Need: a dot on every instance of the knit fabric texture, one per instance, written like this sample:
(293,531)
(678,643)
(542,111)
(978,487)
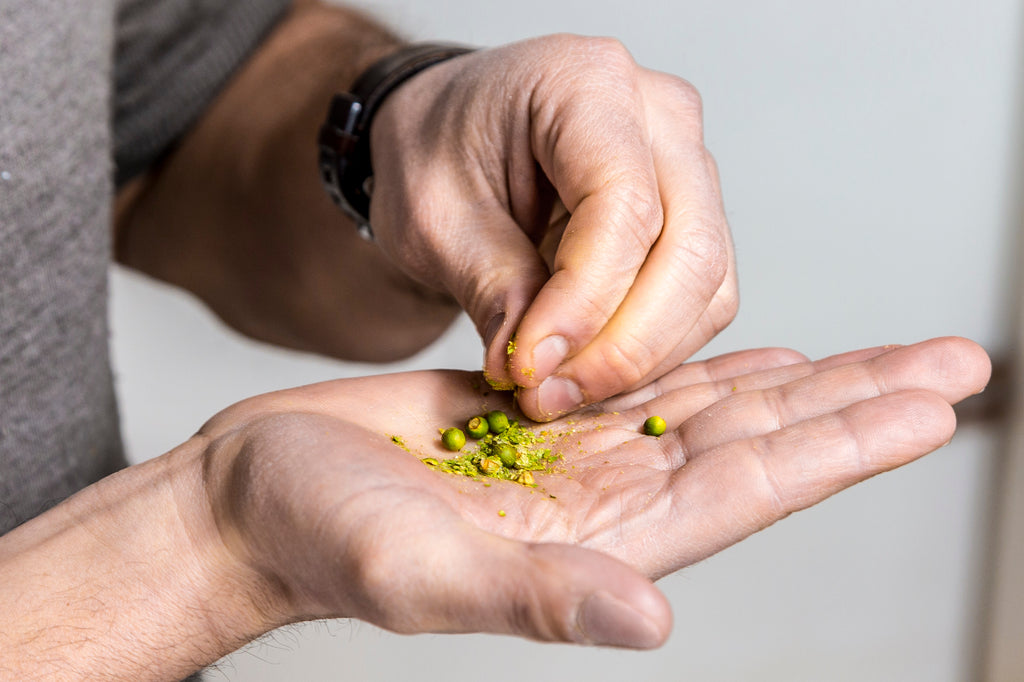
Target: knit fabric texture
(83,84)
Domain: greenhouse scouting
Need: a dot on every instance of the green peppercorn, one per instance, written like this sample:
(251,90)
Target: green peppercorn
(453,439)
(497,421)
(654,426)
(477,427)
(506,453)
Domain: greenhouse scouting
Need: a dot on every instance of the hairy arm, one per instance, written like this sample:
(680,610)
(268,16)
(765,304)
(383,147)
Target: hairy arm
(236,214)
(126,580)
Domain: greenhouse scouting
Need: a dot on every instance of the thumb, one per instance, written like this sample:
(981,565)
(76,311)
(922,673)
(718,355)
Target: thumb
(470,248)
(479,582)
(494,271)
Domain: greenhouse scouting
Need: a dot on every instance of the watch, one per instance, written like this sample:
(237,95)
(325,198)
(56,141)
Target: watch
(344,141)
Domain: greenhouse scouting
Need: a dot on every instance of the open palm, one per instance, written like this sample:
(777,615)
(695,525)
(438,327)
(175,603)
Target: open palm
(324,503)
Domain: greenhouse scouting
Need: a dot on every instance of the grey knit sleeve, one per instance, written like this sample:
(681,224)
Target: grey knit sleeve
(172,57)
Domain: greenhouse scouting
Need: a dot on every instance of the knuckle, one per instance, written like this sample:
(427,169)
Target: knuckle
(705,258)
(639,213)
(681,99)
(680,92)
(685,93)
(712,255)
(726,304)
(712,165)
(726,310)
(587,56)
(611,52)
(626,362)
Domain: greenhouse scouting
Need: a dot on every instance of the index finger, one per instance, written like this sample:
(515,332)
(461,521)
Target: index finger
(682,294)
(595,148)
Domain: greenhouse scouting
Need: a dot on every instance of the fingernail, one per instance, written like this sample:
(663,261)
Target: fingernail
(548,355)
(558,395)
(492,328)
(607,621)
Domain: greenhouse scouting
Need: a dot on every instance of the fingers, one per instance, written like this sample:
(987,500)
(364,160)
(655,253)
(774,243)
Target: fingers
(951,368)
(467,580)
(739,370)
(616,216)
(749,484)
(644,274)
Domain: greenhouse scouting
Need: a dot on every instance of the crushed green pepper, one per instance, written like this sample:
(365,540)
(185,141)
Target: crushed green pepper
(509,455)
(506,454)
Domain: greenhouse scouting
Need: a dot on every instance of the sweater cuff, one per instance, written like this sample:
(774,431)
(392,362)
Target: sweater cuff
(172,59)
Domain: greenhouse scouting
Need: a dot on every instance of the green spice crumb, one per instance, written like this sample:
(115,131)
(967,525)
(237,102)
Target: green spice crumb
(498,384)
(489,466)
(501,512)
(511,455)
(511,348)
(397,440)
(654,426)
(528,372)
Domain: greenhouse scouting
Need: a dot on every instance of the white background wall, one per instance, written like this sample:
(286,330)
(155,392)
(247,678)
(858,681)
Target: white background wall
(866,151)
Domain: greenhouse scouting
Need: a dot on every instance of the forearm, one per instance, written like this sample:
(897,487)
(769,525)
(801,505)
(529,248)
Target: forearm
(236,213)
(126,580)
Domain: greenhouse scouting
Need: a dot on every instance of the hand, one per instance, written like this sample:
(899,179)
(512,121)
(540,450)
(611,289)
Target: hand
(564,197)
(310,491)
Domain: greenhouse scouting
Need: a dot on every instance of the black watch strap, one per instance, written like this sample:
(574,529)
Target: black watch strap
(345,165)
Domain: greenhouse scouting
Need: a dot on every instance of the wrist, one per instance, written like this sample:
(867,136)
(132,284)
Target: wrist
(251,529)
(216,600)
(345,163)
(238,601)
(134,563)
